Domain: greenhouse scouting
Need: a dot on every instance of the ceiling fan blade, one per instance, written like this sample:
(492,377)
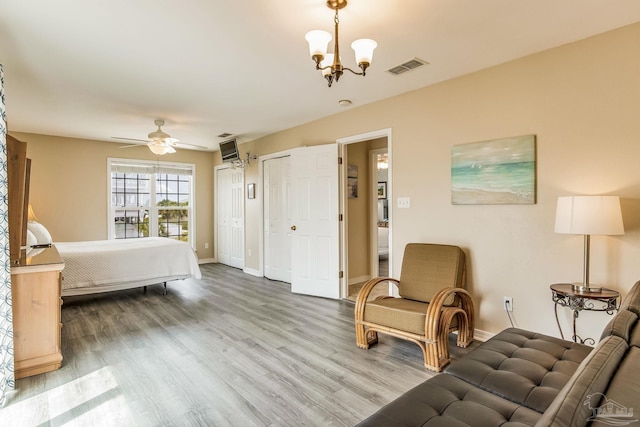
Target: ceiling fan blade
(143,141)
(184,144)
(133,145)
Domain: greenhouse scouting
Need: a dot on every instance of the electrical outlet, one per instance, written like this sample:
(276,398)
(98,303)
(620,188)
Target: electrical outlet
(206,246)
(508,304)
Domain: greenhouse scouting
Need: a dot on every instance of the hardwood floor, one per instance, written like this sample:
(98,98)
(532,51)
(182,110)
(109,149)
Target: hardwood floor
(228,350)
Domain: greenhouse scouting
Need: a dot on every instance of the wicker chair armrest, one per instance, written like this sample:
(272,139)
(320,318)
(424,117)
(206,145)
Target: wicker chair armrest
(437,305)
(363,295)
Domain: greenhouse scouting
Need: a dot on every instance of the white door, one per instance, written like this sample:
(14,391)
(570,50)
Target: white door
(277,219)
(230,217)
(314,221)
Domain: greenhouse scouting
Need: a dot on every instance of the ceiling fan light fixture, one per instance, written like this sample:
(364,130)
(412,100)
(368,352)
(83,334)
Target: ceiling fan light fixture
(159,149)
(159,142)
(158,134)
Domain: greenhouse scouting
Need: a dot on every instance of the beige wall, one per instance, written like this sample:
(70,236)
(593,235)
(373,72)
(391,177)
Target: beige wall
(581,100)
(69,186)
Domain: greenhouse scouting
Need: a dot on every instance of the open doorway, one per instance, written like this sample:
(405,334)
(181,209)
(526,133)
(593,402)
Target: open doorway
(367,222)
(380,211)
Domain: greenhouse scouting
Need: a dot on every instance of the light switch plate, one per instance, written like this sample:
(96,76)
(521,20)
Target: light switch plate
(404,202)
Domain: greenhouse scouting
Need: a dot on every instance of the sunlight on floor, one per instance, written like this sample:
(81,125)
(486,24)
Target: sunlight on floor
(93,396)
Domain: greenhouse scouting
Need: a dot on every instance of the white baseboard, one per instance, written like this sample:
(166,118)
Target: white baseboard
(354,280)
(252,272)
(482,335)
(207,261)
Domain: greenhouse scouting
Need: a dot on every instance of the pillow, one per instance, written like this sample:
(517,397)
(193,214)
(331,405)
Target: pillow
(40,232)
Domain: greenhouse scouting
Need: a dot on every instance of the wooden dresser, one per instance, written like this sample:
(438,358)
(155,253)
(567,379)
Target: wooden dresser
(36,293)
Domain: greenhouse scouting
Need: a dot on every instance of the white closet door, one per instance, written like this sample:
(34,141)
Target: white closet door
(277,220)
(230,217)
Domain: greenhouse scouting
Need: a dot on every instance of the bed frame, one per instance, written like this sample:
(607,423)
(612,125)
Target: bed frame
(113,265)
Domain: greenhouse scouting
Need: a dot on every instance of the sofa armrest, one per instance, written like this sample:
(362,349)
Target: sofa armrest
(572,407)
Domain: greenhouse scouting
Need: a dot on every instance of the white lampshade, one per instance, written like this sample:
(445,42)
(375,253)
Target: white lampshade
(318,42)
(364,50)
(589,215)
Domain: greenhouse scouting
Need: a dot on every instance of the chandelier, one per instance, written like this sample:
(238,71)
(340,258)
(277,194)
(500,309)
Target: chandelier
(330,64)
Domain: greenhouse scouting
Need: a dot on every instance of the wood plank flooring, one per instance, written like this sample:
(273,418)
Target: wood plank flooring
(228,350)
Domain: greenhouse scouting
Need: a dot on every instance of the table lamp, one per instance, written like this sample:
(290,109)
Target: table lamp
(587,215)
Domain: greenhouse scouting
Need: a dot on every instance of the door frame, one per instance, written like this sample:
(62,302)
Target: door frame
(342,177)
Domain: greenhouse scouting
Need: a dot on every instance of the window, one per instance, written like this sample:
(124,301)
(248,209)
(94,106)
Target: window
(151,199)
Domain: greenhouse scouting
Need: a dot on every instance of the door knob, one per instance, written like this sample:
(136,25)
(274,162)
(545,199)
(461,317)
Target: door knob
(293,227)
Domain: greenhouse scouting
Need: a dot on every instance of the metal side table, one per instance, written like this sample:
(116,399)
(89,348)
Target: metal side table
(564,295)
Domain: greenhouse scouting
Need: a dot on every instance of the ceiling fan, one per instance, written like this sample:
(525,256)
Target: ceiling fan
(159,142)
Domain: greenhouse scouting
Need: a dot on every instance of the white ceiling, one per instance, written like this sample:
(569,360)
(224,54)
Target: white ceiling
(99,69)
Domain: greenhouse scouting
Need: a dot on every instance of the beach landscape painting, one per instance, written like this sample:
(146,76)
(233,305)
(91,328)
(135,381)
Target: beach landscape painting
(497,172)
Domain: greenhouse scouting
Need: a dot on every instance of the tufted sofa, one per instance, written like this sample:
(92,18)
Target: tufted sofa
(522,378)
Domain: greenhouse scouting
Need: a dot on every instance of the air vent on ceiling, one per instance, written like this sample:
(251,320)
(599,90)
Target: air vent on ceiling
(407,66)
(225,135)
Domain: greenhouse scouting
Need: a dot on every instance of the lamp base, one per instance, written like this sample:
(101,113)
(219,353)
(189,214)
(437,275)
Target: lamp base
(581,287)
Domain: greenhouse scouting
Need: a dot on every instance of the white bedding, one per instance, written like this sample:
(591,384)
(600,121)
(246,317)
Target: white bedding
(106,265)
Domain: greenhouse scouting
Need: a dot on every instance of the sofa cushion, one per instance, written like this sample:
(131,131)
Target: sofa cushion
(445,400)
(621,325)
(593,375)
(634,336)
(525,367)
(622,394)
(632,301)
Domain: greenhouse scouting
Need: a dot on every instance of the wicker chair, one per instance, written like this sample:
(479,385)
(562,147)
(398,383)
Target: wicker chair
(432,304)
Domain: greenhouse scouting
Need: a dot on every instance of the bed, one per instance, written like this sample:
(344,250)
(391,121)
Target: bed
(110,265)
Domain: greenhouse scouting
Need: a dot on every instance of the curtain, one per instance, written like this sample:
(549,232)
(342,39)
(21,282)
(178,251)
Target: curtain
(7,380)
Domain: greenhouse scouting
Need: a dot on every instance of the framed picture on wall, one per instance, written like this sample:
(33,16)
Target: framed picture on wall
(352,188)
(352,181)
(382,190)
(497,172)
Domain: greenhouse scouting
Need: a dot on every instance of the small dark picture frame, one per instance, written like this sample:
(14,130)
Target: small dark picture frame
(251,191)
(382,190)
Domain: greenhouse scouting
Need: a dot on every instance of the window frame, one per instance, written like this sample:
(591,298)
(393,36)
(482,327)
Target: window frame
(153,167)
